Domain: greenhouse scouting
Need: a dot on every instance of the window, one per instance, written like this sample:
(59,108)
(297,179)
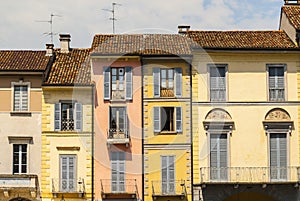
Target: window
(278,156)
(167,82)
(276,82)
(67,173)
(218,82)
(117,171)
(168,174)
(68,116)
(19,158)
(117,83)
(20,101)
(118,122)
(218,157)
(167,119)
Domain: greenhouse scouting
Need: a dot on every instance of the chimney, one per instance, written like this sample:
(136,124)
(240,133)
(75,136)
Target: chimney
(295,2)
(183,29)
(64,42)
(49,49)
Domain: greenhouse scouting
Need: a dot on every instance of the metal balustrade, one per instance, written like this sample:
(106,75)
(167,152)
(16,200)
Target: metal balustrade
(169,188)
(126,187)
(68,186)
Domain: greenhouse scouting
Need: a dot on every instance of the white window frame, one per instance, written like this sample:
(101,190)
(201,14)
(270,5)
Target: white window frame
(209,66)
(75,172)
(285,80)
(20,83)
(168,182)
(118,162)
(20,152)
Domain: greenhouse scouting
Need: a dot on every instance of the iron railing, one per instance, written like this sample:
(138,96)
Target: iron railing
(118,134)
(249,174)
(68,186)
(168,188)
(67,124)
(128,186)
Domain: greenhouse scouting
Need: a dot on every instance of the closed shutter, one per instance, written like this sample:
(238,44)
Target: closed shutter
(276,83)
(178,119)
(57,116)
(118,171)
(24,98)
(156,119)
(106,75)
(20,98)
(128,75)
(218,157)
(78,116)
(168,174)
(278,156)
(68,173)
(156,82)
(217,83)
(17,98)
(178,81)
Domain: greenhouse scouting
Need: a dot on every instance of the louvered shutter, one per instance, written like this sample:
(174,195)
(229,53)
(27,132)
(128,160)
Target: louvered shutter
(57,116)
(218,157)
(106,75)
(278,156)
(78,116)
(164,173)
(128,74)
(178,81)
(118,172)
(17,98)
(213,157)
(24,98)
(223,157)
(156,119)
(217,83)
(72,173)
(156,82)
(67,173)
(276,83)
(178,119)
(171,174)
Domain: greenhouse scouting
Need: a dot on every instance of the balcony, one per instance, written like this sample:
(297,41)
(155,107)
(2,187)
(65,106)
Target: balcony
(166,92)
(118,136)
(169,189)
(22,183)
(67,124)
(71,187)
(119,190)
(249,175)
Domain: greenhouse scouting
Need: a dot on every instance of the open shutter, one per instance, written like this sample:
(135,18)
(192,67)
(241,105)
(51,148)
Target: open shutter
(57,117)
(156,82)
(106,75)
(78,116)
(156,119)
(178,119)
(178,82)
(128,74)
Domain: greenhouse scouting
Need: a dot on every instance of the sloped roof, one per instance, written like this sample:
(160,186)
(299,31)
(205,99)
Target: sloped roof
(293,14)
(242,39)
(23,60)
(70,68)
(146,44)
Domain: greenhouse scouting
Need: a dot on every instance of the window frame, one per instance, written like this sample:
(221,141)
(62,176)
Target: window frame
(20,158)
(209,67)
(126,126)
(75,172)
(168,173)
(118,162)
(174,123)
(284,66)
(20,83)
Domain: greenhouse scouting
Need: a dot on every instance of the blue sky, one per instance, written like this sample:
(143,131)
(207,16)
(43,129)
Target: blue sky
(85,18)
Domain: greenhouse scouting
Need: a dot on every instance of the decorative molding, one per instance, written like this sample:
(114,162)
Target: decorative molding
(277,115)
(68,148)
(218,114)
(20,139)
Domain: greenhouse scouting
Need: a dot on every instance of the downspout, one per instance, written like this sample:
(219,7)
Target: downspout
(143,157)
(191,129)
(93,132)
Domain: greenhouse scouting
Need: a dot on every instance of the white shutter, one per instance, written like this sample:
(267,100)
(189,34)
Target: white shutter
(278,156)
(178,119)
(24,98)
(168,174)
(106,75)
(218,157)
(128,74)
(156,82)
(17,98)
(57,116)
(178,81)
(78,116)
(118,171)
(68,173)
(156,119)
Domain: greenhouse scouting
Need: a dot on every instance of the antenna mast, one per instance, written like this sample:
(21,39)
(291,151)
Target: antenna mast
(113,14)
(51,25)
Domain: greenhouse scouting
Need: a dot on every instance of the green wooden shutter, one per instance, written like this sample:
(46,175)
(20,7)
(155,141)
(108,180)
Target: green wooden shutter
(156,119)
(178,119)
(178,82)
(156,82)
(128,74)
(106,75)
(78,116)
(57,116)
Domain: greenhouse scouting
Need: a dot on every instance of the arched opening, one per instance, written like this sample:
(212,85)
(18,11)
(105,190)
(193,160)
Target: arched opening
(249,196)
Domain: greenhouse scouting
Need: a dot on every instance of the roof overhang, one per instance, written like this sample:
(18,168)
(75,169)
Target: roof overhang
(248,50)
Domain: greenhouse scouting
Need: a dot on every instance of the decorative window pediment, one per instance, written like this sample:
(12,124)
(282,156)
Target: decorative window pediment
(218,119)
(278,120)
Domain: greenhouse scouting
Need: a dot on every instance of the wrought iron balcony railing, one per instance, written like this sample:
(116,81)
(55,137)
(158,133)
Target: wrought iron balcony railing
(250,175)
(67,124)
(169,188)
(118,136)
(122,189)
(68,186)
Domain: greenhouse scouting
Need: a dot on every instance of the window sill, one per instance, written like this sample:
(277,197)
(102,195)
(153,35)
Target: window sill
(20,114)
(167,133)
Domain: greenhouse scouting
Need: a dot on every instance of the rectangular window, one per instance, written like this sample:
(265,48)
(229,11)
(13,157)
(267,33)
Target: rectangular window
(276,82)
(218,157)
(68,116)
(118,122)
(117,83)
(20,98)
(19,158)
(217,82)
(68,173)
(278,156)
(167,82)
(117,171)
(168,174)
(167,119)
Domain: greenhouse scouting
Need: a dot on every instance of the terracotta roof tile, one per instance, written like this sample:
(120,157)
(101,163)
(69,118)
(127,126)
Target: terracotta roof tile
(23,60)
(70,68)
(242,39)
(293,13)
(147,44)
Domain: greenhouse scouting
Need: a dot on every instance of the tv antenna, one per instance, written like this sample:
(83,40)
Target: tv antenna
(113,19)
(51,25)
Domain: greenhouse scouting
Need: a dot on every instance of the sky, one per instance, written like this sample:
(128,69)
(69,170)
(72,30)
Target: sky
(21,27)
